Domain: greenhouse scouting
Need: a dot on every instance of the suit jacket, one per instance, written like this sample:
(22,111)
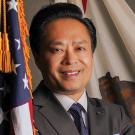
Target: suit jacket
(103,118)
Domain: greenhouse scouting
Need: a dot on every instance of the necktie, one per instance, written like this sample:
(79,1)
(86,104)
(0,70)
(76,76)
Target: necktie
(75,111)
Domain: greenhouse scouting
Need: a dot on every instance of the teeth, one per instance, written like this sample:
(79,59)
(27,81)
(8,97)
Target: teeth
(71,73)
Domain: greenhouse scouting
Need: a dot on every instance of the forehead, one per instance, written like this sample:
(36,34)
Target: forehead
(64,20)
(65,26)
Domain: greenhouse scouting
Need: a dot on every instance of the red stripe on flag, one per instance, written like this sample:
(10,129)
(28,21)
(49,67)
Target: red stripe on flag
(31,110)
(32,116)
(84,2)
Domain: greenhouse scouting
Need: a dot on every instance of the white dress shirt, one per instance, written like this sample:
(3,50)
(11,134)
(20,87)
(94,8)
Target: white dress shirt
(67,102)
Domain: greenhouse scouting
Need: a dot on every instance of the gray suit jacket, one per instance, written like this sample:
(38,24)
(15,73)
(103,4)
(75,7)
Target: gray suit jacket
(103,118)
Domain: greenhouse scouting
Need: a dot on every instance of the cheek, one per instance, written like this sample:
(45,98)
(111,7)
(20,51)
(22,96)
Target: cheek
(88,68)
(52,64)
(87,60)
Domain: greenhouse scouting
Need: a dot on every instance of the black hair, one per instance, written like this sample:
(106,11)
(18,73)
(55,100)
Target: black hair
(55,11)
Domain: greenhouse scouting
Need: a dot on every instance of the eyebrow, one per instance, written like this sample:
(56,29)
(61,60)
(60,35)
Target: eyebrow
(62,43)
(80,42)
(55,43)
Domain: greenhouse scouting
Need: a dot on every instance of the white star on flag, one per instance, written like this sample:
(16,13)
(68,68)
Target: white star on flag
(15,67)
(25,80)
(12,5)
(19,44)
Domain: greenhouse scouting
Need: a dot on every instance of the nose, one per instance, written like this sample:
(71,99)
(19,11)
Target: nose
(70,58)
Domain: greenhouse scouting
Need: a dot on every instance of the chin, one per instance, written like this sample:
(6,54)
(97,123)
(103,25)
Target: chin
(71,89)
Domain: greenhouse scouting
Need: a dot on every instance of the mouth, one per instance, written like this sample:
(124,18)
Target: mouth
(71,73)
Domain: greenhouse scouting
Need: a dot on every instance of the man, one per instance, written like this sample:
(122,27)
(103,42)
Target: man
(63,43)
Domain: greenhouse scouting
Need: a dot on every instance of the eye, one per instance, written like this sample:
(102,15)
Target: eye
(56,50)
(81,49)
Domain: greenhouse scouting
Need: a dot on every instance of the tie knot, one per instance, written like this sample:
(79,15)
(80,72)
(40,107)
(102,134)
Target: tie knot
(76,107)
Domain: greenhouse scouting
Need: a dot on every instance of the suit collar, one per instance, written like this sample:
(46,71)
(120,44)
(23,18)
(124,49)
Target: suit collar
(52,110)
(96,117)
(95,104)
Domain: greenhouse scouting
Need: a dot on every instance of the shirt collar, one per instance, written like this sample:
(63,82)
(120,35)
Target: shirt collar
(67,102)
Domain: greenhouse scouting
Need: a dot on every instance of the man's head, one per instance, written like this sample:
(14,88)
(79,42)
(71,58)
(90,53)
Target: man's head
(62,42)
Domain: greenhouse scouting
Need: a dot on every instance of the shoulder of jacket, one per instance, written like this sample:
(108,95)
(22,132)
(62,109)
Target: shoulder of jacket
(105,104)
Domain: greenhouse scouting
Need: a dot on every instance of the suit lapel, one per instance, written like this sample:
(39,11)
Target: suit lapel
(96,118)
(52,110)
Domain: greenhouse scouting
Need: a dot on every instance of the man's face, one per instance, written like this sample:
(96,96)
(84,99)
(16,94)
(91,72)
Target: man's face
(65,58)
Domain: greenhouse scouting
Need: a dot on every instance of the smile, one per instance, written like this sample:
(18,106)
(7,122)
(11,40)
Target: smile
(71,73)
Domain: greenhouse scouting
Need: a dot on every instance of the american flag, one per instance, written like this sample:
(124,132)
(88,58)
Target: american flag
(18,115)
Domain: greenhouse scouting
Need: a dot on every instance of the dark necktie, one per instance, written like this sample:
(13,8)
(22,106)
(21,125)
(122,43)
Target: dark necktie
(75,111)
